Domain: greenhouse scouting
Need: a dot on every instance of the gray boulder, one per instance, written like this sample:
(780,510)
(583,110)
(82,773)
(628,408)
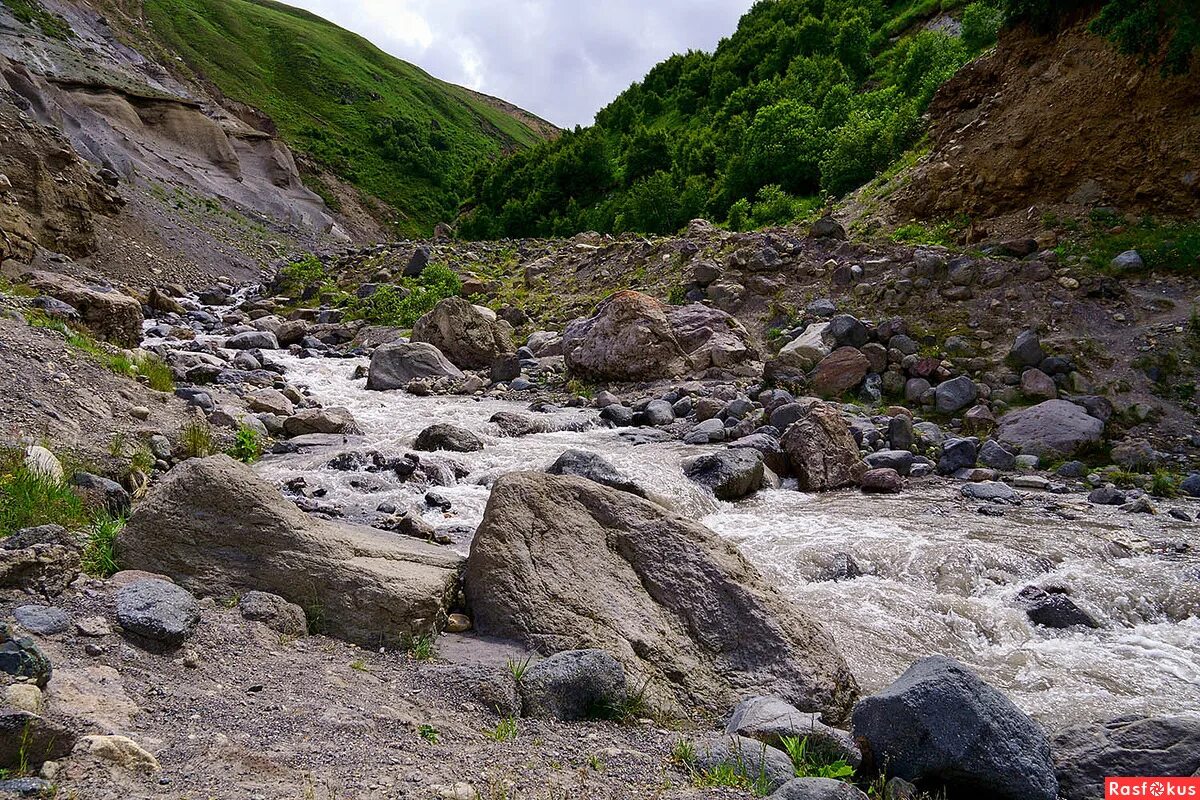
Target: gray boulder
(628,338)
(334,419)
(395,365)
(1053,609)
(253,340)
(1129,261)
(899,460)
(157,610)
(216,528)
(996,456)
(770,719)
(472,337)
(562,563)
(821,451)
(941,726)
(991,492)
(731,474)
(1132,745)
(819,789)
(957,454)
(763,767)
(955,394)
(573,685)
(443,436)
(42,620)
(593,467)
(656,414)
(1107,496)
(273,611)
(1050,430)
(1026,350)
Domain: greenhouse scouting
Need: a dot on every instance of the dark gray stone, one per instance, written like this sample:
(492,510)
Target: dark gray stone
(955,394)
(817,789)
(764,767)
(573,685)
(957,454)
(21,658)
(586,464)
(770,719)
(730,474)
(1107,496)
(444,436)
(657,414)
(939,725)
(996,456)
(1132,745)
(899,460)
(42,620)
(846,331)
(991,492)
(617,416)
(157,610)
(116,499)
(1053,609)
(1026,350)
(1191,485)
(273,611)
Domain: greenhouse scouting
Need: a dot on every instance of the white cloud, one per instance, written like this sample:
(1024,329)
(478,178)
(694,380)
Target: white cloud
(561,59)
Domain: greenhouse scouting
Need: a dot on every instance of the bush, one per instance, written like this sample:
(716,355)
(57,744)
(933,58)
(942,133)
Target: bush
(247,446)
(303,272)
(739,215)
(981,25)
(402,305)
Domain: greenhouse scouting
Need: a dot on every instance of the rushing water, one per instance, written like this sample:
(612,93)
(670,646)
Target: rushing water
(937,577)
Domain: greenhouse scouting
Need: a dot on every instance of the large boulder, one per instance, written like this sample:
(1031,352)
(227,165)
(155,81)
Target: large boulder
(472,337)
(939,725)
(730,474)
(821,450)
(444,436)
(629,338)
(1050,430)
(217,529)
(562,563)
(710,337)
(395,365)
(840,372)
(321,420)
(1131,745)
(111,315)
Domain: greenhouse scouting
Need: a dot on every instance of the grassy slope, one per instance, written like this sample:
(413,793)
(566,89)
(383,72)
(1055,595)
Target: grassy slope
(329,91)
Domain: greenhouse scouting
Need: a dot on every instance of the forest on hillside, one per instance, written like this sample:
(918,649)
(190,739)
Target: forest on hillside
(806,101)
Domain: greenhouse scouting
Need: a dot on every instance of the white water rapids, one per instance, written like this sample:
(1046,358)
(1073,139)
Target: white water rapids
(938,577)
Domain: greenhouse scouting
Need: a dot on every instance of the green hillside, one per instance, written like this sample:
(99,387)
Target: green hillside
(375,121)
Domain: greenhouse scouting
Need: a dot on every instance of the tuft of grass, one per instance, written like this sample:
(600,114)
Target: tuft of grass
(197,438)
(1163,246)
(812,762)
(1164,484)
(517,669)
(429,733)
(100,546)
(633,706)
(28,500)
(247,445)
(683,753)
(421,648)
(506,730)
(359,665)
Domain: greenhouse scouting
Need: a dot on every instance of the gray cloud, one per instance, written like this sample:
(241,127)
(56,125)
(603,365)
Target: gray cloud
(561,59)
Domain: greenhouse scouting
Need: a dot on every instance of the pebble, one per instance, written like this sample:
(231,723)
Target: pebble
(140,412)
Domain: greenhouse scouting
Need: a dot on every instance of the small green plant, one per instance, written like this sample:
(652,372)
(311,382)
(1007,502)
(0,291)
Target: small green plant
(633,706)
(314,613)
(595,763)
(733,776)
(247,445)
(359,665)
(504,731)
(429,733)
(683,753)
(100,546)
(116,445)
(421,648)
(197,438)
(142,460)
(156,372)
(1164,484)
(303,272)
(677,295)
(28,499)
(517,669)
(811,762)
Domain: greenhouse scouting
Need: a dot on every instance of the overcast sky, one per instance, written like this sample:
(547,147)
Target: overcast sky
(563,60)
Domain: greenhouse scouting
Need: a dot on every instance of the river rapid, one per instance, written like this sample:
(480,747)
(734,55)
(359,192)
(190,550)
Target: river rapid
(937,577)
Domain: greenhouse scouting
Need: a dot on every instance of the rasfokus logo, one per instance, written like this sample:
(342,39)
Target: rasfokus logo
(1151,788)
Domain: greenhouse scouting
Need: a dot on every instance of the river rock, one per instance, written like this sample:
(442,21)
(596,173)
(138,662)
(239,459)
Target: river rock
(656,414)
(270,401)
(109,314)
(321,420)
(593,467)
(1053,609)
(756,763)
(730,474)
(1129,745)
(899,460)
(806,350)
(29,740)
(253,340)
(1037,385)
(955,394)
(991,492)
(273,611)
(628,338)
(573,685)
(710,337)
(996,456)
(820,789)
(821,451)
(940,725)
(21,658)
(770,719)
(395,365)
(471,337)
(882,481)
(957,454)
(443,436)
(1050,430)
(216,528)
(562,563)
(846,331)
(840,372)
(1026,351)
(157,610)
(42,620)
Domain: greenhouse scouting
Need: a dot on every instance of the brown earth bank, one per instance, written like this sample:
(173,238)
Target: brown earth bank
(1044,125)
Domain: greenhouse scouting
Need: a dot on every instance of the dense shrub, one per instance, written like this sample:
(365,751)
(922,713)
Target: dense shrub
(403,304)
